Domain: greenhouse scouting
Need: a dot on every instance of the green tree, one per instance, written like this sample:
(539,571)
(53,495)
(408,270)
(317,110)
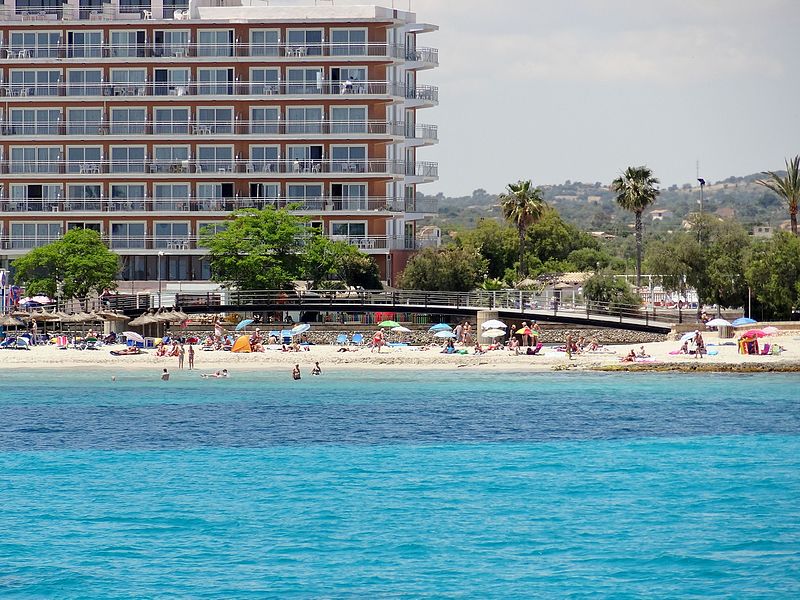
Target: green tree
(522,205)
(773,273)
(79,261)
(787,188)
(450,269)
(495,241)
(336,261)
(606,288)
(552,238)
(258,250)
(636,190)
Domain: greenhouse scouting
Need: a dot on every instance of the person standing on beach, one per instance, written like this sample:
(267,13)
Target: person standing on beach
(181,355)
(191,357)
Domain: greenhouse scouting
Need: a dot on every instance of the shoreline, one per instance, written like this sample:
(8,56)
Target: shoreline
(413,358)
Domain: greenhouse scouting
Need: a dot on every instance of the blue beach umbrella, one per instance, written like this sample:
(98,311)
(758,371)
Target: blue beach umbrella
(299,329)
(244,323)
(743,321)
(440,327)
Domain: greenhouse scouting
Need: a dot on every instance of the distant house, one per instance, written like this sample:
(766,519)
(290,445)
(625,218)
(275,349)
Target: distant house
(571,198)
(602,235)
(429,236)
(785,225)
(725,212)
(594,199)
(659,214)
(762,231)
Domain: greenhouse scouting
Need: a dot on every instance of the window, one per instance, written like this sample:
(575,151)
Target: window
(35,159)
(348,119)
(348,42)
(35,121)
(34,82)
(84,197)
(264,81)
(170,120)
(170,159)
(212,159)
(303,192)
(127,235)
(264,42)
(35,44)
(304,81)
(346,229)
(127,196)
(348,159)
(171,82)
(84,121)
(128,82)
(32,235)
(213,42)
(128,120)
(215,120)
(304,159)
(127,43)
(133,6)
(215,82)
(84,83)
(263,159)
(304,42)
(128,159)
(304,119)
(171,196)
(84,159)
(209,228)
(84,44)
(171,235)
(84,225)
(215,196)
(35,197)
(264,119)
(349,196)
(262,194)
(351,80)
(171,43)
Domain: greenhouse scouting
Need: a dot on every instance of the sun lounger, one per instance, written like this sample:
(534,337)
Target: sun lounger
(358,339)
(341,339)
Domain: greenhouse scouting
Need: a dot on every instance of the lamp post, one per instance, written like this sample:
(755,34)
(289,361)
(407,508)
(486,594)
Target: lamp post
(160,254)
(702,183)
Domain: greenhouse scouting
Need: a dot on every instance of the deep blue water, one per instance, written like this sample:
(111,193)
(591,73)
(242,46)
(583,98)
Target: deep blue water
(399,484)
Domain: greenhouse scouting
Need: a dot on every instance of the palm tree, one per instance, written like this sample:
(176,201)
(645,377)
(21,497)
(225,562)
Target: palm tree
(636,190)
(788,188)
(522,206)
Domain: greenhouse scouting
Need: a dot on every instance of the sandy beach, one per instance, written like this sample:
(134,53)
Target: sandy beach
(330,357)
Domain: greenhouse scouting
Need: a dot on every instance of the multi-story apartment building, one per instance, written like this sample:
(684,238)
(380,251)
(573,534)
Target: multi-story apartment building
(148,120)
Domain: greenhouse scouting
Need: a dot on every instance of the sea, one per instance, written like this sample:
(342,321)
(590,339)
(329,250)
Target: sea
(399,484)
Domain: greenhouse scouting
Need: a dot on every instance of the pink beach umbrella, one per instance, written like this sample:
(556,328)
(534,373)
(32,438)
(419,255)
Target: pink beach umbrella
(771,330)
(758,333)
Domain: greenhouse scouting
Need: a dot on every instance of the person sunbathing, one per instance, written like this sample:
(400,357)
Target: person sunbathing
(161,350)
(132,350)
(642,353)
(593,345)
(630,357)
(478,349)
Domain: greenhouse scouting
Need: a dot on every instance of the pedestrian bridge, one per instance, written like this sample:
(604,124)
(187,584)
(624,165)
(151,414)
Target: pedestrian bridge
(512,305)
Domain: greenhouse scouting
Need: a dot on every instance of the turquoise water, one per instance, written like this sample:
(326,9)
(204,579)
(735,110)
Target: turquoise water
(381,484)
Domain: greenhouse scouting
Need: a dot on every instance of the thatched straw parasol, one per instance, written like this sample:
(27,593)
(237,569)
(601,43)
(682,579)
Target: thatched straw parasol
(43,315)
(144,319)
(9,321)
(21,314)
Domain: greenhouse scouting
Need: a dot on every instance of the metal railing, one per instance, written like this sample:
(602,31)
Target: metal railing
(229,88)
(180,50)
(218,166)
(195,204)
(208,128)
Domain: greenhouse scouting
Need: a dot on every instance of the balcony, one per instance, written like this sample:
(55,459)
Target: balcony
(336,204)
(290,53)
(422,135)
(286,167)
(422,58)
(192,244)
(422,95)
(238,127)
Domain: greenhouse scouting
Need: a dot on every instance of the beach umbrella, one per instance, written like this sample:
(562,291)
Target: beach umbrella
(771,330)
(242,344)
(388,324)
(181,314)
(133,336)
(754,333)
(525,331)
(300,329)
(243,323)
(444,334)
(9,321)
(166,317)
(493,333)
(43,316)
(21,314)
(743,321)
(401,329)
(687,336)
(494,324)
(718,323)
(440,327)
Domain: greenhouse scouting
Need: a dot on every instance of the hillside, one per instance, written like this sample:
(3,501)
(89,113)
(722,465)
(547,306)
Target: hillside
(591,206)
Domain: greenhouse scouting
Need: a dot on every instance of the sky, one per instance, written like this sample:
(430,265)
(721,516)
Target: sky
(580,89)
